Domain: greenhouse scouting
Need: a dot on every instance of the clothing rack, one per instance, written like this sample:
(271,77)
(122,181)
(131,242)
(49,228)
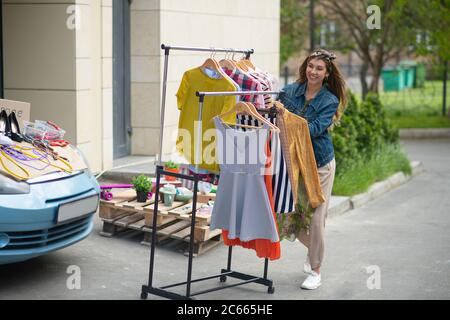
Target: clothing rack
(167,49)
(161,291)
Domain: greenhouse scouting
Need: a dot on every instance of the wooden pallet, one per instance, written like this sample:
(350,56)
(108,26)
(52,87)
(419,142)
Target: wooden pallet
(173,223)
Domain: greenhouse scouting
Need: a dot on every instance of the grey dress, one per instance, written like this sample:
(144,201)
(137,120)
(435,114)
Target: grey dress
(242,205)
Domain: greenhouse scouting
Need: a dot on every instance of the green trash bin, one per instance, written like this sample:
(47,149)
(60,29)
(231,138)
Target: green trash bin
(409,76)
(393,78)
(409,72)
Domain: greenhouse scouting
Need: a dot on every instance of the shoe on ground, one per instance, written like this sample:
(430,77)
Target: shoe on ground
(313,281)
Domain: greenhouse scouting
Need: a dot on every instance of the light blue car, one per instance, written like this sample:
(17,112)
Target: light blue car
(45,214)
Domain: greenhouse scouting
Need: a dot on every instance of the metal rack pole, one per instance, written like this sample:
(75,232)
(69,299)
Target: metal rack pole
(161,291)
(201,98)
(163,105)
(191,239)
(247,278)
(167,49)
(154,220)
(248,52)
(234,93)
(199,133)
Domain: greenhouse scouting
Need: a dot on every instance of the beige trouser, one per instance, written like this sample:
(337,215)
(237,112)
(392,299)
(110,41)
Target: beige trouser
(314,240)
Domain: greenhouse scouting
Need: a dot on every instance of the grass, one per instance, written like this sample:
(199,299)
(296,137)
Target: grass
(426,101)
(358,178)
(416,107)
(421,122)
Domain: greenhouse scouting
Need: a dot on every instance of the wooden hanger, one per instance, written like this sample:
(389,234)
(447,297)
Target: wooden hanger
(259,117)
(236,63)
(239,108)
(211,64)
(227,64)
(248,109)
(249,64)
(230,62)
(242,66)
(242,125)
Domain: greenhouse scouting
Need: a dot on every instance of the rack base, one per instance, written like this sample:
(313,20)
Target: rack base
(161,291)
(222,277)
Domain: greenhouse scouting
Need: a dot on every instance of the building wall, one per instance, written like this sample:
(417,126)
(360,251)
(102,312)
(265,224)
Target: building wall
(107,81)
(56,59)
(39,64)
(232,24)
(145,75)
(89,81)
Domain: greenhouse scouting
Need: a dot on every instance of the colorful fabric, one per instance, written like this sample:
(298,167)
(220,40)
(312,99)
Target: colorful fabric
(246,83)
(196,80)
(297,148)
(264,248)
(265,86)
(242,205)
(281,185)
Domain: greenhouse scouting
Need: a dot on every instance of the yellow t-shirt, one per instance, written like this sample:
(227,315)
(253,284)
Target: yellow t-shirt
(196,80)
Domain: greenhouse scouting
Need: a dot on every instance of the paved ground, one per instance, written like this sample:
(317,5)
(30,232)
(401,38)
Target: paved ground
(398,243)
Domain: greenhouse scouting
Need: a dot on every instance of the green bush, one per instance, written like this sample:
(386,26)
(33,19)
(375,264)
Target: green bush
(345,136)
(363,131)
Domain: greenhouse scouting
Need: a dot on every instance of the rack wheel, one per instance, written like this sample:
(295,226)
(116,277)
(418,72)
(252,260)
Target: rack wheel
(271,290)
(223,278)
(144,295)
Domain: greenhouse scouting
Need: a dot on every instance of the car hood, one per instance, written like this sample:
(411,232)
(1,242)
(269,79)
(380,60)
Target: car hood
(53,190)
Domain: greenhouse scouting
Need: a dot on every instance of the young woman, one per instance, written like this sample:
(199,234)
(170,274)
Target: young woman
(319,96)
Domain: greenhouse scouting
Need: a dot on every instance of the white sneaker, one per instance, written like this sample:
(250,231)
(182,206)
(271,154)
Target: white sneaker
(307,266)
(312,282)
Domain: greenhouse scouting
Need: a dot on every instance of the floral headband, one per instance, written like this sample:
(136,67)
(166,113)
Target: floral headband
(325,54)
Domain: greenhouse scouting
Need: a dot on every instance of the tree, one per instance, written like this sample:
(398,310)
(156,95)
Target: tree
(432,20)
(294,28)
(373,46)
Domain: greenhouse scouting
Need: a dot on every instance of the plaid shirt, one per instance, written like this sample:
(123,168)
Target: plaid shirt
(266,85)
(247,83)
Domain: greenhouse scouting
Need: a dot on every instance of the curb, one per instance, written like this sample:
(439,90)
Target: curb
(340,204)
(424,133)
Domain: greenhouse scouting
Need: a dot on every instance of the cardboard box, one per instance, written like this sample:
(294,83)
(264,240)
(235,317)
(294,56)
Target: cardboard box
(21,109)
(206,197)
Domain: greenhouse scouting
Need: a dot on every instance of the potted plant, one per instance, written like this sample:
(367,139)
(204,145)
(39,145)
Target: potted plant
(143,185)
(172,167)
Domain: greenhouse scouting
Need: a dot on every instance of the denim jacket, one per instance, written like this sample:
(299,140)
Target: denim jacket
(319,114)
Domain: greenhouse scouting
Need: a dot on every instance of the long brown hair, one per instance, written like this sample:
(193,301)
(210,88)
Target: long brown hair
(335,81)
